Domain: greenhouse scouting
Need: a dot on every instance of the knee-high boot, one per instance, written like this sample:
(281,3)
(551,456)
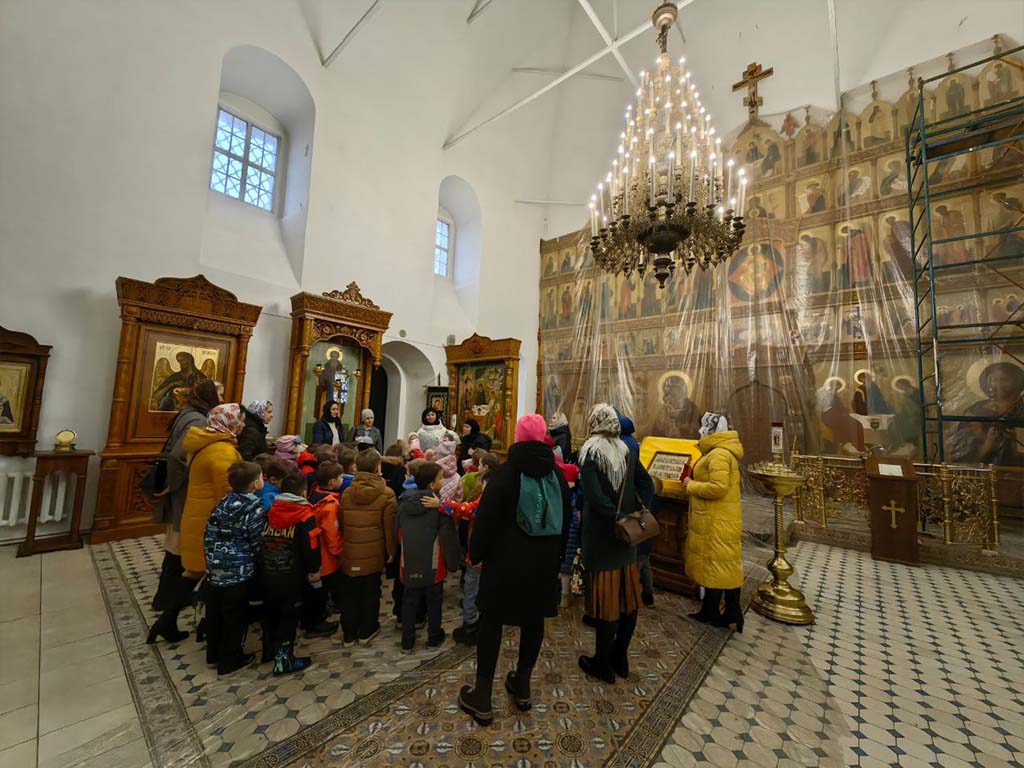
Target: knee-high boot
(620,650)
(733,614)
(167,625)
(599,665)
(709,612)
(170,571)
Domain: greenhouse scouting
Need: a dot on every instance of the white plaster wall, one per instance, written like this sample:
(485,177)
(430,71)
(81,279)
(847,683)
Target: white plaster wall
(108,111)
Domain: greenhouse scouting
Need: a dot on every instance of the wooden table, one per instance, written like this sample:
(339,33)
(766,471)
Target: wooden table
(75,463)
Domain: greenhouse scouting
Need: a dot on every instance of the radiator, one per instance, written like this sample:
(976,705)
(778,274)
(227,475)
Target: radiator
(16,494)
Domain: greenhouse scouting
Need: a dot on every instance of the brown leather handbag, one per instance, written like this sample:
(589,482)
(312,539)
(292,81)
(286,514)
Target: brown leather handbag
(640,525)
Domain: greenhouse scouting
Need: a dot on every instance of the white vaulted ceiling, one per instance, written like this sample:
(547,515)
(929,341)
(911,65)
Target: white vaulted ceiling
(451,74)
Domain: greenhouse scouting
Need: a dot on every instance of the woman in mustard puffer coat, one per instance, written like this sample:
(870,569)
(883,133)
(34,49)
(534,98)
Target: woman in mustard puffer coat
(713,550)
(209,452)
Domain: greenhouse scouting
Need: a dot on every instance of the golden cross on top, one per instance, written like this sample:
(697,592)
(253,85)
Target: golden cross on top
(751,76)
(893,510)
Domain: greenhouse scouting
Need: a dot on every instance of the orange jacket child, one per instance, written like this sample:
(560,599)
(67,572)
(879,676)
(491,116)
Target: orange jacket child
(328,512)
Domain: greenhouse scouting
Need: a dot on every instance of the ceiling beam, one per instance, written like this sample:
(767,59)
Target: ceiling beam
(614,45)
(596,21)
(555,72)
(352,33)
(479,7)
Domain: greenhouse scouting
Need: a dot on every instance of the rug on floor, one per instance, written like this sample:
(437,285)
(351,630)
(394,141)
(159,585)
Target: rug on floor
(374,705)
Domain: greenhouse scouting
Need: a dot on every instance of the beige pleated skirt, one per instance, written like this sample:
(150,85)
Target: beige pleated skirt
(611,595)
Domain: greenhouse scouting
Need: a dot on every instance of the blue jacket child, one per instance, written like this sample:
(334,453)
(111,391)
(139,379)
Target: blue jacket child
(233,539)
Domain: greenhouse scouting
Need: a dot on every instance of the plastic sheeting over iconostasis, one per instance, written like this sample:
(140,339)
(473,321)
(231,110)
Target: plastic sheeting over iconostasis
(811,324)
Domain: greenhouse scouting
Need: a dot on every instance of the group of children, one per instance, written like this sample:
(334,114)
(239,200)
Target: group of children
(306,527)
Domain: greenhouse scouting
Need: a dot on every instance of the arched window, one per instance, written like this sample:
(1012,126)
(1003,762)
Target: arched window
(444,243)
(247,159)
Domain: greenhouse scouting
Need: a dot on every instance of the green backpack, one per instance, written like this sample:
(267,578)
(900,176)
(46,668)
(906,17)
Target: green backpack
(539,512)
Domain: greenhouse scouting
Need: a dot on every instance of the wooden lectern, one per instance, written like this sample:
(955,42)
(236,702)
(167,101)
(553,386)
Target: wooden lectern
(892,499)
(665,460)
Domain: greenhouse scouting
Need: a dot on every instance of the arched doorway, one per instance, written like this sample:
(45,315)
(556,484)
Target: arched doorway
(379,398)
(408,370)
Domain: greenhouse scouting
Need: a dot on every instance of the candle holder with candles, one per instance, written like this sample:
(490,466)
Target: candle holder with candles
(640,219)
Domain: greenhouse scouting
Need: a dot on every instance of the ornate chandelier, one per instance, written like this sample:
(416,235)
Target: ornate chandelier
(669,200)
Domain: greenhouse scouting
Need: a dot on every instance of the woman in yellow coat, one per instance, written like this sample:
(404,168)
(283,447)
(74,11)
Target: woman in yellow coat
(209,453)
(713,551)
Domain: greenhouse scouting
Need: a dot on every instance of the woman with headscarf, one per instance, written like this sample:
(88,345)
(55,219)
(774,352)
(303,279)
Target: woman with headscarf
(713,554)
(613,480)
(472,440)
(558,426)
(201,399)
(519,582)
(433,430)
(328,429)
(209,451)
(253,440)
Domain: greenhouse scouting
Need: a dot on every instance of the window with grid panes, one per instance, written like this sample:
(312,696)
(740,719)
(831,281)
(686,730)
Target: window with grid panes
(245,161)
(442,248)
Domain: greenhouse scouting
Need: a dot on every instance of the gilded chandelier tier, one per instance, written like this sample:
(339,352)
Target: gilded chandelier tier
(669,200)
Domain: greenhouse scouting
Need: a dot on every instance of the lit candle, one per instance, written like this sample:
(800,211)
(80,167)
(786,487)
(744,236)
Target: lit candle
(625,191)
(711,179)
(671,173)
(600,194)
(593,217)
(721,213)
(728,183)
(743,195)
(651,170)
(679,141)
(693,172)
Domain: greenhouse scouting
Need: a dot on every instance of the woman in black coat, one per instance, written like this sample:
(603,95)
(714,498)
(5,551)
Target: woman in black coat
(560,433)
(472,439)
(328,429)
(609,472)
(519,583)
(252,440)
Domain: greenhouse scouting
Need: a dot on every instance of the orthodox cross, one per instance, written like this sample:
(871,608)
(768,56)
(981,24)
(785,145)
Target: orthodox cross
(751,76)
(893,510)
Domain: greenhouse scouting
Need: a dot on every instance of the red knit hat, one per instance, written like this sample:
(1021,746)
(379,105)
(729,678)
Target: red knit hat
(531,427)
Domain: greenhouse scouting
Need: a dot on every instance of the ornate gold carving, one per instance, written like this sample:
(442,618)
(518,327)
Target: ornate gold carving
(351,295)
(960,499)
(189,296)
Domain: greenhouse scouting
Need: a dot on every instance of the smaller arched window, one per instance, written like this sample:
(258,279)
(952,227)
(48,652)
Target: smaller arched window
(246,160)
(444,243)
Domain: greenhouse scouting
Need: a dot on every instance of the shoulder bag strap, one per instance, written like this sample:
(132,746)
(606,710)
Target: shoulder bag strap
(622,488)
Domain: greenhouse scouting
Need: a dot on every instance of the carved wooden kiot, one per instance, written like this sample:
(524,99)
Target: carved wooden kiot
(481,349)
(26,354)
(187,310)
(333,315)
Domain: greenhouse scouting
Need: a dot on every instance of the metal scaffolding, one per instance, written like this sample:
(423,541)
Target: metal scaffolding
(998,127)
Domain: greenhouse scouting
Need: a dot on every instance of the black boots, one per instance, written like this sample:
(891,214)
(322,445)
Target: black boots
(600,664)
(467,633)
(620,649)
(476,702)
(167,625)
(518,685)
(709,612)
(733,614)
(286,662)
(170,571)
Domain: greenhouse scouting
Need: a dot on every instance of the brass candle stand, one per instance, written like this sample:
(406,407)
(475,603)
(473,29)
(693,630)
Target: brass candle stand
(776,598)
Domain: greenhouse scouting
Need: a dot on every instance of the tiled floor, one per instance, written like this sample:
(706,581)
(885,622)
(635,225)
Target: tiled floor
(64,699)
(904,666)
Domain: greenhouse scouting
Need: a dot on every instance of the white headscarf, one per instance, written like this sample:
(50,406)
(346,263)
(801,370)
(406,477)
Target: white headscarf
(712,424)
(604,447)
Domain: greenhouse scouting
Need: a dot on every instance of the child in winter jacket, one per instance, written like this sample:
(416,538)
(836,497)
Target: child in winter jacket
(430,550)
(473,484)
(328,516)
(367,520)
(451,486)
(231,543)
(291,559)
(394,571)
(274,471)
